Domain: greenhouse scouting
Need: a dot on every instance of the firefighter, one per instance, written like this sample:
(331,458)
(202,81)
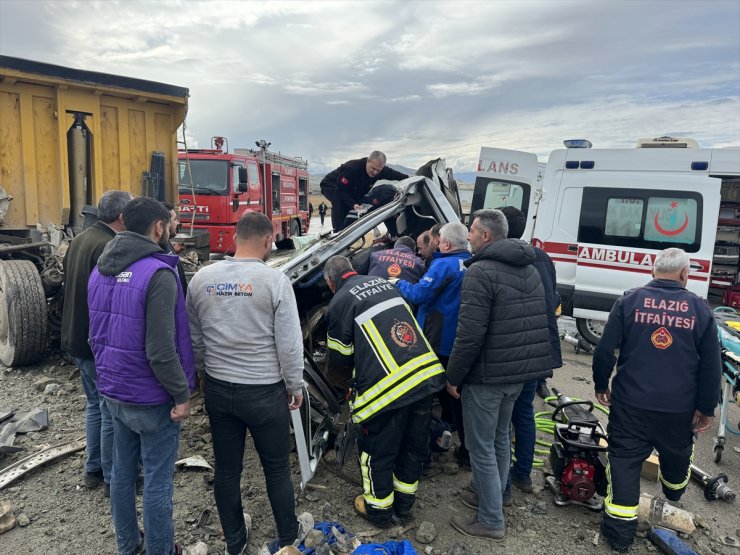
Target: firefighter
(345,186)
(373,337)
(665,389)
(400,262)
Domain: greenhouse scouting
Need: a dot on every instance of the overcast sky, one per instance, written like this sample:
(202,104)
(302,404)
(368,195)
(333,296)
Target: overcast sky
(330,81)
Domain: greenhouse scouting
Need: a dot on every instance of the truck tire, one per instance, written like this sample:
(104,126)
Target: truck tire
(590,330)
(295,228)
(23,320)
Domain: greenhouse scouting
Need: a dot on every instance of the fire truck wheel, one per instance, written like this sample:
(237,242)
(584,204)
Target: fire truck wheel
(295,228)
(591,330)
(23,318)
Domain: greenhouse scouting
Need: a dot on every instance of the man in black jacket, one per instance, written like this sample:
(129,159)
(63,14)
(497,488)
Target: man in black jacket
(501,343)
(523,415)
(345,186)
(375,343)
(665,390)
(81,258)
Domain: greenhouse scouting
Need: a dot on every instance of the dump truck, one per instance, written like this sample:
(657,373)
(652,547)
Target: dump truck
(66,137)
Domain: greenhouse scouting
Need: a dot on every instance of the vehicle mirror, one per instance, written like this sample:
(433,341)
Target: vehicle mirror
(243,186)
(243,177)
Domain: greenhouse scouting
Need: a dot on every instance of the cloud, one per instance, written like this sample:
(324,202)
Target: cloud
(330,81)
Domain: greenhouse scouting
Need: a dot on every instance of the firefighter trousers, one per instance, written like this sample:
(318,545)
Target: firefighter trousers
(392,448)
(633,433)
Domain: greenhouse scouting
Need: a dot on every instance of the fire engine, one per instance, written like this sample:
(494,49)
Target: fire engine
(217,187)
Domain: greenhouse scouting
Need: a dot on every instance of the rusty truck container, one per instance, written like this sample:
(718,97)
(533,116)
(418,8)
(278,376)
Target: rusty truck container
(66,137)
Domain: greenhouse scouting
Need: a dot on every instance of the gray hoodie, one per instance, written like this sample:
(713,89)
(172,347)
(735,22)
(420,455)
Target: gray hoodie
(161,298)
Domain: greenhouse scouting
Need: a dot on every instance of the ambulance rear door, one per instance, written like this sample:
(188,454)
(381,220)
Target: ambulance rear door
(506,178)
(626,218)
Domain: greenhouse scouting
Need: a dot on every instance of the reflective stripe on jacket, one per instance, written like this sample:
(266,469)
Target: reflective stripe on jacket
(371,329)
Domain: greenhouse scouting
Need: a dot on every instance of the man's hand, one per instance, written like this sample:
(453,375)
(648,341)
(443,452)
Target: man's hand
(357,207)
(180,412)
(295,401)
(453,390)
(605,398)
(701,423)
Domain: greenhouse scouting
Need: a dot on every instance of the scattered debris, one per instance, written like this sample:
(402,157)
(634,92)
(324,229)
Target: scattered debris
(33,420)
(595,539)
(7,520)
(15,471)
(42,384)
(196,461)
(426,532)
(23,520)
(314,538)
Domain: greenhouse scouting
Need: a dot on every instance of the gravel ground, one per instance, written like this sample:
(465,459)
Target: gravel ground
(64,518)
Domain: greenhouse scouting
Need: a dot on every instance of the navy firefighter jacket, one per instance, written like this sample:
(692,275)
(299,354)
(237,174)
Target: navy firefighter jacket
(669,357)
(373,334)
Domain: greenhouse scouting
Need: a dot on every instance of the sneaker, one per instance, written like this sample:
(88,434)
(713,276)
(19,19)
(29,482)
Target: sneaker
(93,479)
(524,484)
(473,528)
(248,526)
(361,510)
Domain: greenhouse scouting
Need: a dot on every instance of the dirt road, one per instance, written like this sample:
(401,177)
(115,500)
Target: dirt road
(64,518)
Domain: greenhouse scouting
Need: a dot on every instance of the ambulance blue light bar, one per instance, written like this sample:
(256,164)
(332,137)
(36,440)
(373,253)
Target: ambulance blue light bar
(577,143)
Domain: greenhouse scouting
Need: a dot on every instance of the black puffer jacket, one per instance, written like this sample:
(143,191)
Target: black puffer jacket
(502,328)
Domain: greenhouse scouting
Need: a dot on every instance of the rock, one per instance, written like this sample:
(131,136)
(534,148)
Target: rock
(539,508)
(330,456)
(207,438)
(314,538)
(429,550)
(23,520)
(595,540)
(41,384)
(426,532)
(450,468)
(199,548)
(311,497)
(51,388)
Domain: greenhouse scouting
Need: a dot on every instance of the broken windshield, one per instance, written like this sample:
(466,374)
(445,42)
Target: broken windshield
(209,176)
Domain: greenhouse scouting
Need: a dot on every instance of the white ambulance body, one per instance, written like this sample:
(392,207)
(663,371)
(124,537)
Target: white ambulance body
(603,214)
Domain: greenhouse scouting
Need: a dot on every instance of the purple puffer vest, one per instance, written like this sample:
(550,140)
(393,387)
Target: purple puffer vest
(117,306)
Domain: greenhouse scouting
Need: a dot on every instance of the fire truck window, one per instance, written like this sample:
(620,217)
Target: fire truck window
(235,179)
(254,175)
(623,217)
(500,194)
(212,175)
(671,220)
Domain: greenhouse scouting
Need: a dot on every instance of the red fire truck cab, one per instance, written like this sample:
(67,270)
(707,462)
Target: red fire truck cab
(217,187)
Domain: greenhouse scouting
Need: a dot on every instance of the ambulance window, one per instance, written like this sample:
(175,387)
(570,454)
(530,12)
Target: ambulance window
(671,220)
(499,194)
(623,217)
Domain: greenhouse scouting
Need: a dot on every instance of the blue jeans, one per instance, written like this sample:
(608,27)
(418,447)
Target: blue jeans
(98,425)
(143,432)
(487,413)
(522,418)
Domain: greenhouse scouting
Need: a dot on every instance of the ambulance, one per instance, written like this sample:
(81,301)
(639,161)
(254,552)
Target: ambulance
(603,214)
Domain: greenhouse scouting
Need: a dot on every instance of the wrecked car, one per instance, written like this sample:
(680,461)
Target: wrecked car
(423,200)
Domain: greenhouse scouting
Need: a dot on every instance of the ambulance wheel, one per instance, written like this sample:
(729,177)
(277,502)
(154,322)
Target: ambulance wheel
(24,324)
(590,330)
(295,228)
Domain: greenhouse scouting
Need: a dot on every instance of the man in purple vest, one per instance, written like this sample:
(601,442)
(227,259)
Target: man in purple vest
(140,337)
